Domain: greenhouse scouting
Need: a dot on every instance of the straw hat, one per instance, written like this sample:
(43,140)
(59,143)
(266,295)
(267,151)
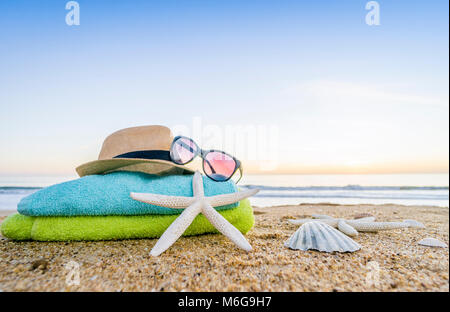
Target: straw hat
(144,149)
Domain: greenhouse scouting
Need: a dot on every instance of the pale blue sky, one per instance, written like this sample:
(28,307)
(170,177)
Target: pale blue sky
(355,98)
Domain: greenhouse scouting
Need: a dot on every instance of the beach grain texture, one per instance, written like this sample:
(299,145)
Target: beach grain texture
(388,261)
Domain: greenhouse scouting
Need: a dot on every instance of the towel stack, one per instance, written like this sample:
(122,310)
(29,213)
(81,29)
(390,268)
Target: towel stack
(99,207)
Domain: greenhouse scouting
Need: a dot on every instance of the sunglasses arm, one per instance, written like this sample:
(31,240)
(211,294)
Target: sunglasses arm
(241,171)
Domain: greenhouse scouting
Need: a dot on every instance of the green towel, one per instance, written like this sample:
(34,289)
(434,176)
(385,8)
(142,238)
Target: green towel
(80,228)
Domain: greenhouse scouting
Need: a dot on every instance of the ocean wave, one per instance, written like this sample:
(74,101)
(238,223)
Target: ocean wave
(17,189)
(431,193)
(360,196)
(347,188)
(349,191)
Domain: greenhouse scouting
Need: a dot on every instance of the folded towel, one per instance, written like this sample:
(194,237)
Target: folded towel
(19,227)
(103,195)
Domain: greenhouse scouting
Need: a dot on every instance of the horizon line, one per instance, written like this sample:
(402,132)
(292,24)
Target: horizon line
(245,173)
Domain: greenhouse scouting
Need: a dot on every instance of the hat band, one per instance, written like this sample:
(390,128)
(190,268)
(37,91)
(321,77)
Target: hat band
(150,154)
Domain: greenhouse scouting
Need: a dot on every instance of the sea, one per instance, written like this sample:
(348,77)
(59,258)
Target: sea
(404,189)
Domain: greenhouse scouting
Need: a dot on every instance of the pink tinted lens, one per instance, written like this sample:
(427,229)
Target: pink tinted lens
(183,150)
(218,166)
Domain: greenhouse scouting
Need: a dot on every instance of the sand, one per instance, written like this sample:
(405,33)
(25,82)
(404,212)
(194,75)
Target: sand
(388,261)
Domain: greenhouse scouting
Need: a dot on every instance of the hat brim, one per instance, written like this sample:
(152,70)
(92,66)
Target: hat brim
(151,166)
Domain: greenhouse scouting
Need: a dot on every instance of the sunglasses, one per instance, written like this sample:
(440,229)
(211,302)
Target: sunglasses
(217,165)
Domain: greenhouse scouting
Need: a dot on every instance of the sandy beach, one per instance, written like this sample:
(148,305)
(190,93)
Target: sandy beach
(212,263)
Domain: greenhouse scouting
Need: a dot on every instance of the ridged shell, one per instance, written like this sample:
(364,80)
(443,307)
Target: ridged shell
(432,242)
(322,237)
(414,224)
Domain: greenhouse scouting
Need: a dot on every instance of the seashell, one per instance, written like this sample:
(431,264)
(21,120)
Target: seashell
(362,215)
(364,219)
(432,242)
(322,237)
(414,224)
(321,216)
(364,224)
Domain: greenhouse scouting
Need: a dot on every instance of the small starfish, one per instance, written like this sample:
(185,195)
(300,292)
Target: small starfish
(195,205)
(352,227)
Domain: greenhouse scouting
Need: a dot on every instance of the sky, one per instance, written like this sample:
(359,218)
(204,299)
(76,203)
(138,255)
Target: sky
(285,86)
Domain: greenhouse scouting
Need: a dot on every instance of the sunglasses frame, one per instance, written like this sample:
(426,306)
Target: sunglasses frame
(202,153)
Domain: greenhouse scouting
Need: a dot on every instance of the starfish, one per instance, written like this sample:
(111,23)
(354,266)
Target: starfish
(195,205)
(368,224)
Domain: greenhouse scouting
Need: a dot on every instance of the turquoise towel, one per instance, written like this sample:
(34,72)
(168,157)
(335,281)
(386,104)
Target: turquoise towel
(102,195)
